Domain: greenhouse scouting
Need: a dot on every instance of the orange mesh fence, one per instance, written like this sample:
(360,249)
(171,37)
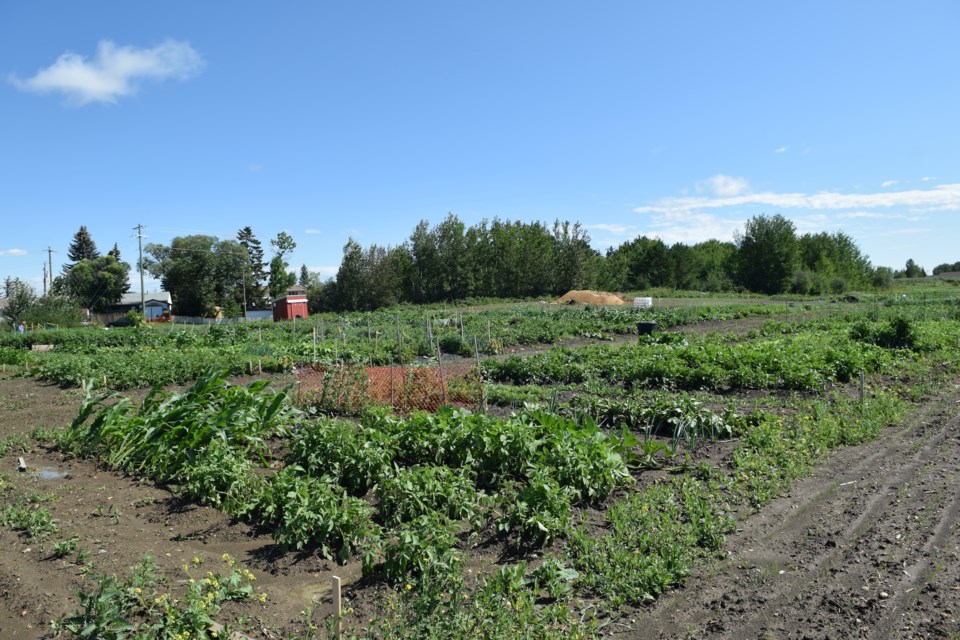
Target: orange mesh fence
(349,388)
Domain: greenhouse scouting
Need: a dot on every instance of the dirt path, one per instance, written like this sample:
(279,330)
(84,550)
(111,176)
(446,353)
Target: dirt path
(865,547)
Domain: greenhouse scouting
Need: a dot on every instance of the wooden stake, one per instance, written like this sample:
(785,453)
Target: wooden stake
(337,607)
(259,366)
(483,394)
(861,387)
(443,384)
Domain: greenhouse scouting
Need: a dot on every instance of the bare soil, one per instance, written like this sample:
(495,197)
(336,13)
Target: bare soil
(865,547)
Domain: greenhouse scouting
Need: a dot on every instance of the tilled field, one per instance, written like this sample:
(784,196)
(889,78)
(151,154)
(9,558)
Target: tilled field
(864,547)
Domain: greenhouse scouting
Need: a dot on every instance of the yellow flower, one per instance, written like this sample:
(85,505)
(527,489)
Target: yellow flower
(196,560)
(137,590)
(409,586)
(262,597)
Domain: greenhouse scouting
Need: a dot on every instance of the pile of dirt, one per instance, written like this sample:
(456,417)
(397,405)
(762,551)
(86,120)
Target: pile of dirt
(590,297)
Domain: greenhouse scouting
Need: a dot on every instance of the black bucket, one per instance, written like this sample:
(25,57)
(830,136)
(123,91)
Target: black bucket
(646,328)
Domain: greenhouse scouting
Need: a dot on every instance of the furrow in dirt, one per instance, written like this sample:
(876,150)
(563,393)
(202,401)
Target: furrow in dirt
(826,561)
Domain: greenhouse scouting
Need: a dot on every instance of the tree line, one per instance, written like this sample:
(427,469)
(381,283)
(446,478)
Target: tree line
(450,261)
(504,259)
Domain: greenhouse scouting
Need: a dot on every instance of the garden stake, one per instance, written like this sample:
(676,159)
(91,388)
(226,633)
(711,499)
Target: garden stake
(483,396)
(337,606)
(443,385)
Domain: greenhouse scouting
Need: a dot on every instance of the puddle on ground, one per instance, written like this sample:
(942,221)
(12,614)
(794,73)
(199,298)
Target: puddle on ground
(49,473)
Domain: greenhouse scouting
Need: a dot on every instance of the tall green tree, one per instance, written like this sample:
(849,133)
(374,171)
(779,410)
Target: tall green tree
(82,247)
(253,270)
(202,273)
(574,260)
(96,283)
(768,253)
(280,278)
(20,297)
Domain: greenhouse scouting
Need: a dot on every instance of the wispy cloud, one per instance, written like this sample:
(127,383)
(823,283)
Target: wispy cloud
(876,215)
(114,72)
(944,197)
(12,252)
(724,186)
(325,271)
(908,231)
(614,229)
(888,183)
(255,168)
(691,227)
(311,232)
(927,178)
(781,149)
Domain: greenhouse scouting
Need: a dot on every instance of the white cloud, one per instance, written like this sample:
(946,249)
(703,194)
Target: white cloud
(311,232)
(724,186)
(927,178)
(876,215)
(691,227)
(114,71)
(325,271)
(781,149)
(944,197)
(888,183)
(614,229)
(908,231)
(12,252)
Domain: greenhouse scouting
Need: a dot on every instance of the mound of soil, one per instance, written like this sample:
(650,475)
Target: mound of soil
(590,297)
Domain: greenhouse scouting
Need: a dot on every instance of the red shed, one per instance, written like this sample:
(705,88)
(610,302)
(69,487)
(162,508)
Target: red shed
(292,305)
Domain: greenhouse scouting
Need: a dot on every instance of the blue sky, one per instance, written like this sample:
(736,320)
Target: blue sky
(327,121)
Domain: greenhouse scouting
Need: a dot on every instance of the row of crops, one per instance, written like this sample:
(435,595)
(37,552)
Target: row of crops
(146,356)
(598,496)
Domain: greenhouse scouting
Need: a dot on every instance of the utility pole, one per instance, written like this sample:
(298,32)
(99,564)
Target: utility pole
(143,302)
(50,260)
(44,278)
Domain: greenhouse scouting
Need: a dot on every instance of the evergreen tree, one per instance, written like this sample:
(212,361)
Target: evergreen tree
(115,252)
(254,273)
(81,248)
(304,280)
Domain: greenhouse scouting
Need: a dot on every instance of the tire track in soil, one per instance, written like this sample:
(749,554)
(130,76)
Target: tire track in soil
(865,547)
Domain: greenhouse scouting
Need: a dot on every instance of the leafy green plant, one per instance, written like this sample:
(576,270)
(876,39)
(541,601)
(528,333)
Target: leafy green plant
(408,493)
(538,512)
(35,522)
(425,546)
(304,510)
(64,548)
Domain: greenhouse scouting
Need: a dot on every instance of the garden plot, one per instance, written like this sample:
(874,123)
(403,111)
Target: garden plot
(585,514)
